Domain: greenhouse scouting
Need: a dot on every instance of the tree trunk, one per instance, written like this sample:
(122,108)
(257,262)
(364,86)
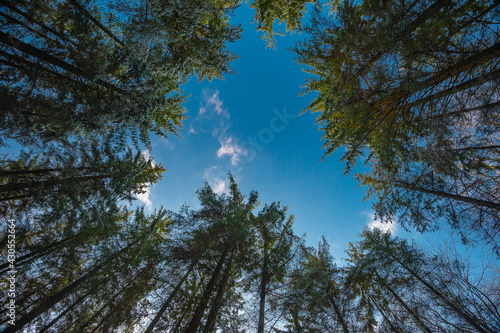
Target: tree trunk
(372,299)
(166,304)
(477,202)
(453,90)
(68,309)
(47,183)
(214,310)
(263,291)
(202,305)
(11,41)
(110,301)
(338,313)
(426,14)
(461,66)
(7,173)
(462,111)
(39,23)
(52,300)
(86,13)
(469,318)
(33,255)
(403,303)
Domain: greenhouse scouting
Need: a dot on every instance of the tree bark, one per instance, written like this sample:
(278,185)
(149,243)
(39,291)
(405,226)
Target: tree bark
(263,292)
(478,202)
(214,310)
(202,305)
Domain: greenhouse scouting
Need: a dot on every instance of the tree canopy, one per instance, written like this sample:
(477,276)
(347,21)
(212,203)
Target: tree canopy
(410,88)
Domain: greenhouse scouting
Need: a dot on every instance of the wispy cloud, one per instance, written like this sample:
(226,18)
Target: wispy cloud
(374,223)
(215,180)
(168,143)
(213,103)
(211,109)
(232,149)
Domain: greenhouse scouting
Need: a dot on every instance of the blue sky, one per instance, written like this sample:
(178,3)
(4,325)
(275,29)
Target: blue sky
(249,123)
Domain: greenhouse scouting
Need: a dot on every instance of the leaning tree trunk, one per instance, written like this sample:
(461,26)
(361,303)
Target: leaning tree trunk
(214,310)
(202,305)
(166,304)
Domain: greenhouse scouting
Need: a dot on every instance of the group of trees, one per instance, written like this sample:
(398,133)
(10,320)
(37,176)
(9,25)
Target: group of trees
(80,82)
(229,267)
(410,87)
(112,70)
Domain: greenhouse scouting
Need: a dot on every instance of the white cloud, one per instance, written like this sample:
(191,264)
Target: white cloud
(216,103)
(231,149)
(216,182)
(220,186)
(212,113)
(373,223)
(212,105)
(191,129)
(144,198)
(147,156)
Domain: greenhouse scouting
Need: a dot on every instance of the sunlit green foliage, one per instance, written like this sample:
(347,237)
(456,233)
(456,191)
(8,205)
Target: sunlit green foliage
(115,71)
(411,88)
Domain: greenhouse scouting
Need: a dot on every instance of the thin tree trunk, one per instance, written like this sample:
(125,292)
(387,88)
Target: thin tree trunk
(403,303)
(166,304)
(214,310)
(202,305)
(372,299)
(474,19)
(33,255)
(88,15)
(13,42)
(469,318)
(38,33)
(52,300)
(263,291)
(461,87)
(461,66)
(62,314)
(426,14)
(7,173)
(178,323)
(68,309)
(39,23)
(50,183)
(338,313)
(110,301)
(479,148)
(460,112)
(478,202)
